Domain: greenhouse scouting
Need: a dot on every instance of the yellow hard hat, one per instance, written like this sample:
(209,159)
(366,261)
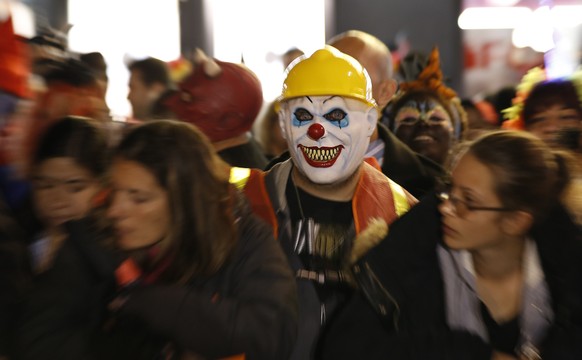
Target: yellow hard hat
(327,72)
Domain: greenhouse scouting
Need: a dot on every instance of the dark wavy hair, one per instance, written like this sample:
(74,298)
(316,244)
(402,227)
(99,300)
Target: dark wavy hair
(202,230)
(529,175)
(78,138)
(152,71)
(549,93)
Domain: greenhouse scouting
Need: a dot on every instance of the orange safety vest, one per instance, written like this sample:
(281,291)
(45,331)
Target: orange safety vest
(376,196)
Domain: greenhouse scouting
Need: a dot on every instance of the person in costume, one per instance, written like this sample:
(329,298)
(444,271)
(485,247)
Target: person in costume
(426,114)
(223,100)
(489,268)
(415,172)
(326,204)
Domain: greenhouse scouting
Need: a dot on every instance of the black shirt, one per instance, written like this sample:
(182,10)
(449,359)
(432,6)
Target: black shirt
(502,337)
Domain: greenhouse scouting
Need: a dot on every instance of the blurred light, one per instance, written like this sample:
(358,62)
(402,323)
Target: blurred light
(537,31)
(520,37)
(503,2)
(541,31)
(559,63)
(492,17)
(566,15)
(563,59)
(105,26)
(268,29)
(22,17)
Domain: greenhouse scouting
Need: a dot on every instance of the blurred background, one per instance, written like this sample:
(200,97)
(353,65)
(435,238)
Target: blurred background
(485,45)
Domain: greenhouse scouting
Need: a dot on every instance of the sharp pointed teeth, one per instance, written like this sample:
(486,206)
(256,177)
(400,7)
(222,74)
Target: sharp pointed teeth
(320,154)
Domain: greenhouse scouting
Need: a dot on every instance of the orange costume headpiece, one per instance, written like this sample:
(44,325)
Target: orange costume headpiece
(430,78)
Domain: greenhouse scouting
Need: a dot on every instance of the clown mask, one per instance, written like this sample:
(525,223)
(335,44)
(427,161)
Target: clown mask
(327,136)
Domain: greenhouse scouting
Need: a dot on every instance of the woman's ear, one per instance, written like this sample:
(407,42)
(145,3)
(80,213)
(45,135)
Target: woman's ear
(517,223)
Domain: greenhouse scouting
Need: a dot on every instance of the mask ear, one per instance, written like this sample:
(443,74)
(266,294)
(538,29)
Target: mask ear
(283,116)
(372,118)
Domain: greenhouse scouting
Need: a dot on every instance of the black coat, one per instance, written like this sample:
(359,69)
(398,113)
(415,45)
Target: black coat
(249,306)
(414,325)
(414,172)
(247,155)
(15,279)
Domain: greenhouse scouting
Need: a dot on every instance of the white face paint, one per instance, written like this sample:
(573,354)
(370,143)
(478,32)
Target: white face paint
(327,136)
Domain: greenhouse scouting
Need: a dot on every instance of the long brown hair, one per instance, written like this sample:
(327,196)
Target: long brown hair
(181,158)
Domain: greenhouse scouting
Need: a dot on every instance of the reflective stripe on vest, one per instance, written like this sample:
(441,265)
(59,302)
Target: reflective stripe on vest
(239,177)
(261,202)
(401,204)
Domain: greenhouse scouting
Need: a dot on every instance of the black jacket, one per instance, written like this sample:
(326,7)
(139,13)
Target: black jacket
(414,172)
(15,279)
(406,317)
(249,306)
(247,155)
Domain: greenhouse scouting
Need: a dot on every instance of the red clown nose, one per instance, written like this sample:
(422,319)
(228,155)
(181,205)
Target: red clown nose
(316,131)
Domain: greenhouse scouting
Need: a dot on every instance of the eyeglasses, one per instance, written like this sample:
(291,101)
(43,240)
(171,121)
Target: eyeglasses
(462,207)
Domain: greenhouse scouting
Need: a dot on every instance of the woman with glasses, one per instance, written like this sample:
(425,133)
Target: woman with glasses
(488,269)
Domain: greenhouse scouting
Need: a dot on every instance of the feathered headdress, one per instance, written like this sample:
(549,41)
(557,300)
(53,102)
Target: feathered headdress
(430,78)
(514,113)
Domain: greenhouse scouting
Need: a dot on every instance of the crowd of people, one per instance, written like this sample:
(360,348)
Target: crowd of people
(372,218)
